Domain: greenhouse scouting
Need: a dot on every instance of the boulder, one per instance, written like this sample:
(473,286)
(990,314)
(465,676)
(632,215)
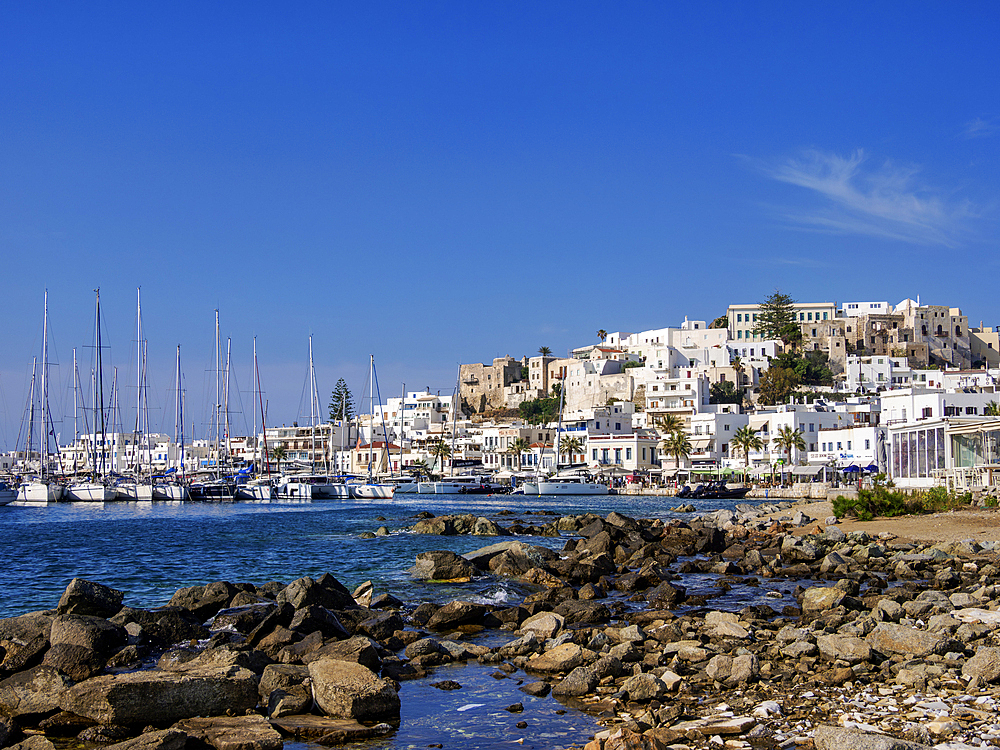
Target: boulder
(326,592)
(23,641)
(204,601)
(358,649)
(281,677)
(644,687)
(94,633)
(821,598)
(563,658)
(328,731)
(456,614)
(847,648)
(890,638)
(985,664)
(163,739)
(35,691)
(442,565)
(842,738)
(251,732)
(350,691)
(380,626)
(583,679)
(76,662)
(313,618)
(575,611)
(85,598)
(544,625)
(158,697)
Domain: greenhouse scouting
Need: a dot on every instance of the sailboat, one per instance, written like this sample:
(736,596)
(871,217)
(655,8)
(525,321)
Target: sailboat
(139,487)
(217,488)
(259,489)
(171,486)
(372,490)
(96,488)
(568,482)
(40,490)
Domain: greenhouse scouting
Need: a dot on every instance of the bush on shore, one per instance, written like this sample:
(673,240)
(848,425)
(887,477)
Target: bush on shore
(884,499)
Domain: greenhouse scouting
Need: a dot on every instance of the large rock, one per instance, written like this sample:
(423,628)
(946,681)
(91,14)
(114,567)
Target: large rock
(163,739)
(204,601)
(155,697)
(281,677)
(544,625)
(442,565)
(85,598)
(23,641)
(985,664)
(821,598)
(841,738)
(847,648)
(358,649)
(35,691)
(233,732)
(456,614)
(325,592)
(350,691)
(313,618)
(563,658)
(583,679)
(93,633)
(889,638)
(644,687)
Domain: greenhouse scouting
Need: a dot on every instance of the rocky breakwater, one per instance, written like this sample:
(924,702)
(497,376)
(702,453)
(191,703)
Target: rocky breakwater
(888,645)
(224,665)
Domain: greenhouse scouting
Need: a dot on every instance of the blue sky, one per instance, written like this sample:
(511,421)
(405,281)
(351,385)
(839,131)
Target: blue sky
(436,183)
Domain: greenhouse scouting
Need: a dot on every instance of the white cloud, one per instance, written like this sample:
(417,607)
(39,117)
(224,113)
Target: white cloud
(978,128)
(886,201)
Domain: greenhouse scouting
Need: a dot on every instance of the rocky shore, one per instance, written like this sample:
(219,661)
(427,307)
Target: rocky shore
(890,644)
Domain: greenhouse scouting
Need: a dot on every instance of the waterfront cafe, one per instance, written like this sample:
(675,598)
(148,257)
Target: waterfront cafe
(961,454)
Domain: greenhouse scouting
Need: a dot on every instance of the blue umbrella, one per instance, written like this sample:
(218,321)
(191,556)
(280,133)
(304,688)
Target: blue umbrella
(852,469)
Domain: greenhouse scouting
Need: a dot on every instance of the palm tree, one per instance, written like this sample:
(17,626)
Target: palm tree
(544,351)
(787,439)
(677,445)
(571,446)
(278,453)
(668,423)
(602,334)
(992,409)
(420,468)
(737,364)
(440,450)
(745,440)
(516,448)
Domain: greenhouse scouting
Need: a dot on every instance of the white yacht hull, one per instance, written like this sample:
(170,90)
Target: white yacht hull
(38,493)
(258,493)
(426,488)
(89,492)
(331,491)
(408,488)
(137,493)
(373,491)
(572,488)
(170,492)
(528,488)
(294,491)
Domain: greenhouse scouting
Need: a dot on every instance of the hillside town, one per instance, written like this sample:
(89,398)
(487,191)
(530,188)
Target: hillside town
(778,392)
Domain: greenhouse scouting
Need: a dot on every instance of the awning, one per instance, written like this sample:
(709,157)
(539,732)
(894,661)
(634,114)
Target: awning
(757,422)
(701,443)
(806,471)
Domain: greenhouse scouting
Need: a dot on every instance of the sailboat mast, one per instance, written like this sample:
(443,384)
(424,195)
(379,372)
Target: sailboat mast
(99,388)
(31,418)
(263,419)
(225,397)
(43,454)
(402,410)
(138,377)
(312,407)
(371,418)
(179,413)
(218,388)
(454,418)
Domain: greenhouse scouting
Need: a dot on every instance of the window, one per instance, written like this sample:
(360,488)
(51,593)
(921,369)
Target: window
(618,426)
(812,427)
(814,332)
(839,445)
(628,454)
(809,318)
(725,428)
(848,445)
(802,316)
(824,316)
(643,454)
(739,318)
(927,412)
(971,410)
(868,444)
(594,458)
(739,334)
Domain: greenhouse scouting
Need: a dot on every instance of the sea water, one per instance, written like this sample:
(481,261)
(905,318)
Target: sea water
(150,550)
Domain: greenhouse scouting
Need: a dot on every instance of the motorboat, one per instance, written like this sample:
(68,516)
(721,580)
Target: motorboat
(403,485)
(372,491)
(576,484)
(452,486)
(7,493)
(258,490)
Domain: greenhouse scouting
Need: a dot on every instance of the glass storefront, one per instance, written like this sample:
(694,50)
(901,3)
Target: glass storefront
(918,453)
